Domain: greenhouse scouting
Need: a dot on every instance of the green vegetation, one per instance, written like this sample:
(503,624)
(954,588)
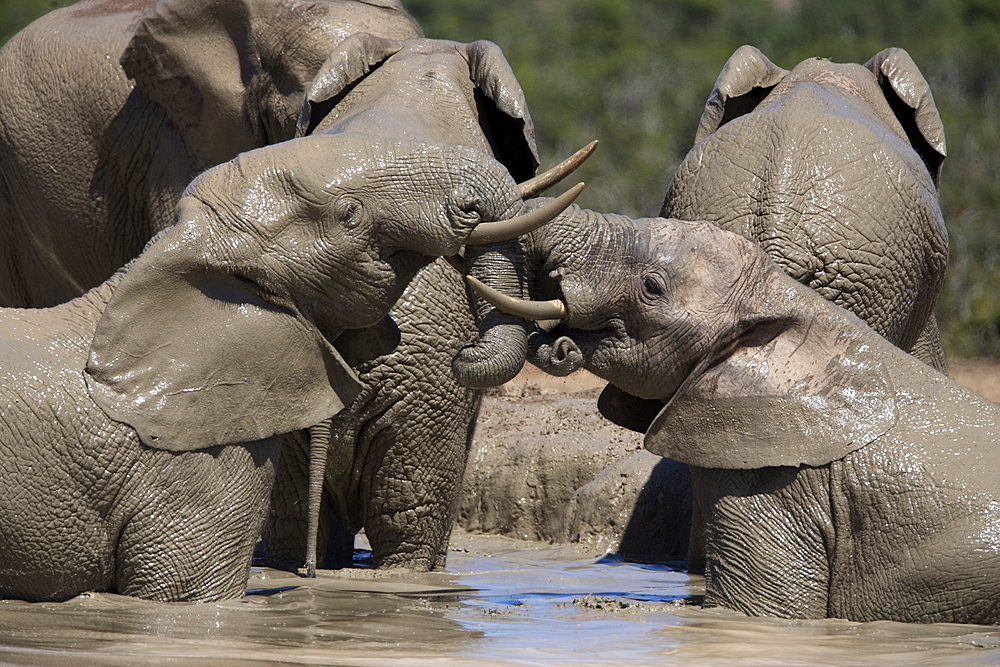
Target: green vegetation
(635,74)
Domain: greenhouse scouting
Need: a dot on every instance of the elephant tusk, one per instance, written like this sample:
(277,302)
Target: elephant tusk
(528,310)
(505,230)
(539,184)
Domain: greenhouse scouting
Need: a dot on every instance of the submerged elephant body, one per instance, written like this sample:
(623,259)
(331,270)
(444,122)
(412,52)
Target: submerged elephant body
(835,475)
(87,506)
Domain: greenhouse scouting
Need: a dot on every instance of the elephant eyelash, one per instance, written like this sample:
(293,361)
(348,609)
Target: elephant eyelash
(653,286)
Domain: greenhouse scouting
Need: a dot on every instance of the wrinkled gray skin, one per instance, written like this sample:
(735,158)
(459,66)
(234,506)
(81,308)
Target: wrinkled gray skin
(92,167)
(833,170)
(397,458)
(837,475)
(139,443)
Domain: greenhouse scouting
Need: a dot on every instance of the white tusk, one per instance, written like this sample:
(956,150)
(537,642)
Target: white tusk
(505,230)
(528,310)
(539,184)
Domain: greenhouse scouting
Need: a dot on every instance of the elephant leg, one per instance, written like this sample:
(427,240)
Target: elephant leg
(285,530)
(410,512)
(928,348)
(416,427)
(195,517)
(767,538)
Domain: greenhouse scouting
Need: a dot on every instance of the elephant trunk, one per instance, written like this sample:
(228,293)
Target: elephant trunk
(558,262)
(559,249)
(499,353)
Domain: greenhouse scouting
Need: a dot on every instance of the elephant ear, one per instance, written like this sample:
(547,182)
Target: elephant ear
(191,57)
(354,59)
(746,79)
(505,119)
(809,396)
(359,346)
(192,357)
(628,411)
(911,101)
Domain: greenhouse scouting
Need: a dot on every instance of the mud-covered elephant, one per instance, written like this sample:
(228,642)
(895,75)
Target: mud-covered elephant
(833,169)
(140,420)
(837,475)
(93,158)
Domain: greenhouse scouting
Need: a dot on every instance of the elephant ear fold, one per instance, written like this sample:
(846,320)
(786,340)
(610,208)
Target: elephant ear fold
(503,110)
(189,57)
(191,357)
(354,58)
(910,97)
(360,346)
(809,396)
(628,411)
(746,79)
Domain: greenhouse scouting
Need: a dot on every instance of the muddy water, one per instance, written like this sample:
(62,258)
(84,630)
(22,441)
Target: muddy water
(502,602)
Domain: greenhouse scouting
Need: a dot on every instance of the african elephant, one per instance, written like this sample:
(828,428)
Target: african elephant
(139,436)
(833,169)
(837,475)
(92,171)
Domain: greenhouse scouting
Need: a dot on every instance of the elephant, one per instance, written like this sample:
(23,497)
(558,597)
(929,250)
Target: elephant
(837,475)
(93,159)
(834,170)
(140,434)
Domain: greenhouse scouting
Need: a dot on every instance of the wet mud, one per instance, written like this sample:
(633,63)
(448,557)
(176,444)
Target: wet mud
(503,601)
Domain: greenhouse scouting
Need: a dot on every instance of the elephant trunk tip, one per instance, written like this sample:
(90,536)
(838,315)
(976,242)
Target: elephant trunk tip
(494,359)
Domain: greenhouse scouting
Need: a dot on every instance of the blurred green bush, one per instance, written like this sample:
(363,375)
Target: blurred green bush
(635,74)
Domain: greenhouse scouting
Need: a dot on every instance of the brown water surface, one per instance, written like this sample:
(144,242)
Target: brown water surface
(502,601)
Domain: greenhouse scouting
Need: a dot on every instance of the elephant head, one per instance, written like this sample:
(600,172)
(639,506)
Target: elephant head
(222,330)
(701,335)
(233,75)
(833,169)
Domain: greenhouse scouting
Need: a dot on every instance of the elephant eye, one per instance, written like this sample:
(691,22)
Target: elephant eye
(652,286)
(348,212)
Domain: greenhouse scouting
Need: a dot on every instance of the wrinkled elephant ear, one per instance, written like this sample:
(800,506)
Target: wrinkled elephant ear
(746,79)
(506,121)
(353,59)
(189,57)
(191,357)
(910,97)
(816,391)
(628,411)
(360,346)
